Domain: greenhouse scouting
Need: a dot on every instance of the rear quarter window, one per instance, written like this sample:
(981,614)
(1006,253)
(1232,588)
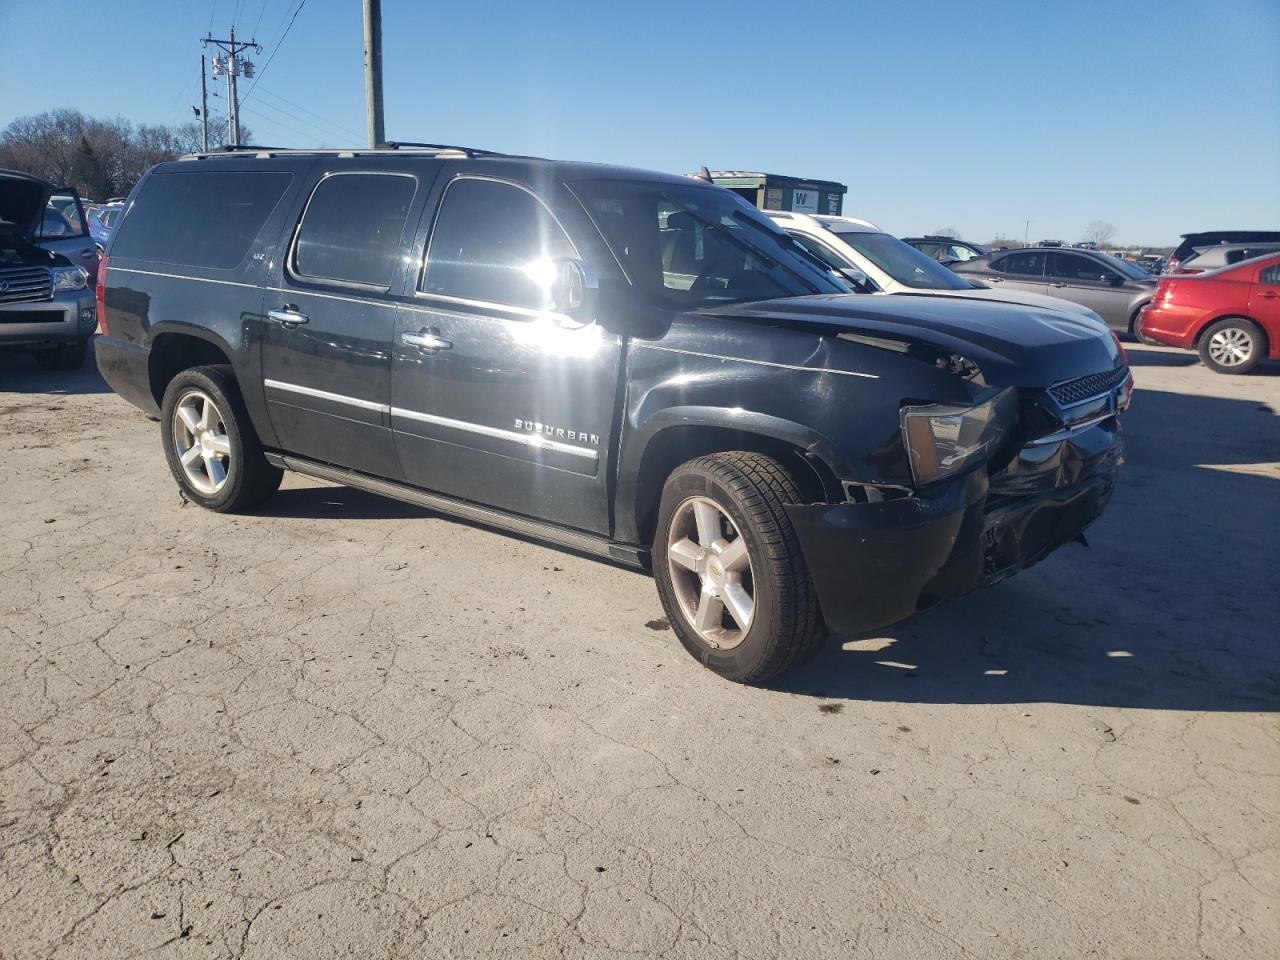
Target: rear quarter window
(199,219)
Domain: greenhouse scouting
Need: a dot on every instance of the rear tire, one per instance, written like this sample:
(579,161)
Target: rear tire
(65,356)
(210,444)
(725,552)
(1232,345)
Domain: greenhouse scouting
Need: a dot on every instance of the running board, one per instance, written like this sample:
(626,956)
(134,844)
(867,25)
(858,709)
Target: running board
(523,526)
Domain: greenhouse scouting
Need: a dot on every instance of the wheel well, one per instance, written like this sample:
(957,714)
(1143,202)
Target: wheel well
(1262,331)
(676,445)
(171,353)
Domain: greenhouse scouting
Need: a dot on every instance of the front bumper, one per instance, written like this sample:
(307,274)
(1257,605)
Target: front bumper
(66,318)
(875,564)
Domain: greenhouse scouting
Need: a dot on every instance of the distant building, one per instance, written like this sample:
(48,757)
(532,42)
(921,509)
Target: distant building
(771,191)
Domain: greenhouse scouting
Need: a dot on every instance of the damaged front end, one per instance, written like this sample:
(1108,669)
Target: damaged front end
(998,487)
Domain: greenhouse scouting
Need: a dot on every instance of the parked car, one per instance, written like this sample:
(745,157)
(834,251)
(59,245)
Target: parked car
(102,221)
(632,365)
(1204,259)
(1113,288)
(877,262)
(1082,245)
(1230,315)
(946,249)
(1212,237)
(46,302)
(64,229)
(1050,243)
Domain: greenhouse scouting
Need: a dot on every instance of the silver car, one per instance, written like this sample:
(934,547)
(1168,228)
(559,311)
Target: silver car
(46,296)
(1113,288)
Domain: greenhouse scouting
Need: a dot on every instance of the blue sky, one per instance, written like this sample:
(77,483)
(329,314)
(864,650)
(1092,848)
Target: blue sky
(1160,117)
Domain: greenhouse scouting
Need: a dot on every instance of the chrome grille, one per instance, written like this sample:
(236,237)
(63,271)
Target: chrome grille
(1071,392)
(24,284)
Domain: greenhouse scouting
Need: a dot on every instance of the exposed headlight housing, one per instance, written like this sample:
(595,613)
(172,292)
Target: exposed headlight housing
(945,440)
(69,278)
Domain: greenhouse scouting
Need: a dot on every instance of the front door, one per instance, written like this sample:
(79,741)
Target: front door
(63,230)
(1092,284)
(495,398)
(329,315)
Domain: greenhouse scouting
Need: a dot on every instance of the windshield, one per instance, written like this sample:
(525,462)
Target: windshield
(698,246)
(1130,270)
(904,262)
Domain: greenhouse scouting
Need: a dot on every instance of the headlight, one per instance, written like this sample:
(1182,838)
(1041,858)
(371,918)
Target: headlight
(69,278)
(943,441)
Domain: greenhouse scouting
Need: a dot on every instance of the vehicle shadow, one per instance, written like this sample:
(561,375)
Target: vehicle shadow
(325,502)
(19,373)
(1143,355)
(1169,609)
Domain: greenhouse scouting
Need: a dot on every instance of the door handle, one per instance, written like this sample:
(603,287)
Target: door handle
(89,254)
(993,279)
(288,316)
(427,339)
(1270,295)
(1057,284)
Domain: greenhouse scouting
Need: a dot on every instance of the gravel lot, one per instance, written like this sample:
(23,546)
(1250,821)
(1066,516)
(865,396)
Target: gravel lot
(346,727)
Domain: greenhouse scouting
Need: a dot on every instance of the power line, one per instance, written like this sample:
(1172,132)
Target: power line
(279,123)
(276,50)
(257,23)
(336,127)
(324,136)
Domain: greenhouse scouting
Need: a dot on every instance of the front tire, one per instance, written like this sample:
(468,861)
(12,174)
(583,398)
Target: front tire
(1232,345)
(210,444)
(729,569)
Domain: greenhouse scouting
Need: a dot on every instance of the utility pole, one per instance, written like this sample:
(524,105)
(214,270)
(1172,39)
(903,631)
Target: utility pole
(373,71)
(204,104)
(232,65)
(1026,237)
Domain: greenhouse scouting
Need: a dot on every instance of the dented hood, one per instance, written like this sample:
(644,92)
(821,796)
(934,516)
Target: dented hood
(1013,344)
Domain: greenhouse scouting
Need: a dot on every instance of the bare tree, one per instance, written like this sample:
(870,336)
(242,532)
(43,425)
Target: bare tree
(99,157)
(950,233)
(1000,240)
(1100,232)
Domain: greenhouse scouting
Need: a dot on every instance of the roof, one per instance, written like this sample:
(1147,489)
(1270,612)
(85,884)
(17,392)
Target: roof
(567,169)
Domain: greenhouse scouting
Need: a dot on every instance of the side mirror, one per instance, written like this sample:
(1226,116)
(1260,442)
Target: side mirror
(568,287)
(856,277)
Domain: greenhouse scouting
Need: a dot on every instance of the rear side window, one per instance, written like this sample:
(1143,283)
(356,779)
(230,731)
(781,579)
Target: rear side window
(1027,264)
(493,242)
(351,229)
(1270,275)
(199,219)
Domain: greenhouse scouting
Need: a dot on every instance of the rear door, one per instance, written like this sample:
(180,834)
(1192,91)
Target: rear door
(1264,300)
(1018,270)
(329,316)
(63,229)
(1091,283)
(495,398)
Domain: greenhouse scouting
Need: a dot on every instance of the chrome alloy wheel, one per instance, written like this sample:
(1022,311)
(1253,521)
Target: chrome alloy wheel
(201,442)
(1230,346)
(711,572)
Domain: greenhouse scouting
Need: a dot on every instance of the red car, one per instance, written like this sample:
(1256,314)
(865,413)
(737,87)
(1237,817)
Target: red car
(1232,315)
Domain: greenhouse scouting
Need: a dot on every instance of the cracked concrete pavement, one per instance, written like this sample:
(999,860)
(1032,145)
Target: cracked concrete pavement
(345,727)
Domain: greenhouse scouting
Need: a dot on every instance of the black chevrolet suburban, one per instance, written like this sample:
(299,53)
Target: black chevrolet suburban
(627,364)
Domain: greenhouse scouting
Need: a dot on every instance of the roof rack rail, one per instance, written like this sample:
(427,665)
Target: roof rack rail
(471,152)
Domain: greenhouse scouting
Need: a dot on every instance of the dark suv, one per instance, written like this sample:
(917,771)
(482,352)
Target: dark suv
(632,365)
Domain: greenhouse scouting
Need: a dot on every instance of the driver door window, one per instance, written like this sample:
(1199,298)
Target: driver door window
(1073,268)
(494,243)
